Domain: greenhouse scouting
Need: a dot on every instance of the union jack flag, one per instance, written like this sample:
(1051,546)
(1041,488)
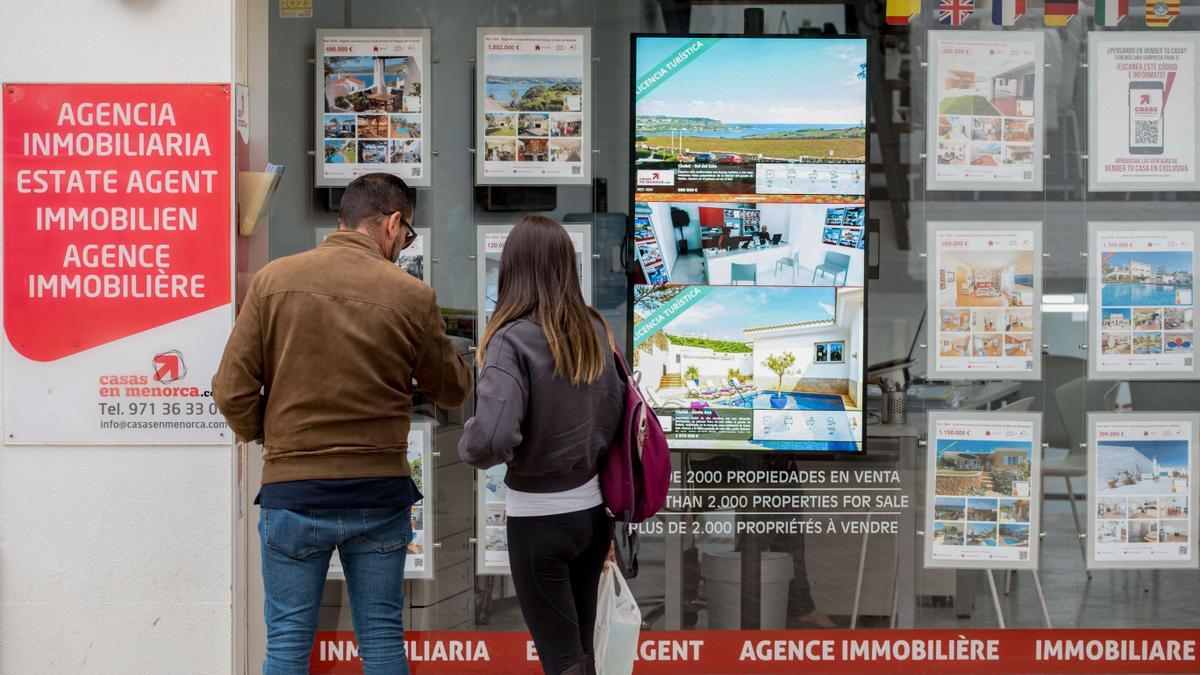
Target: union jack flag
(955,12)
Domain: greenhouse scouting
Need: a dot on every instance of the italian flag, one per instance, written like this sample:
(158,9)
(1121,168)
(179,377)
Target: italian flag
(1110,12)
(902,12)
(1059,12)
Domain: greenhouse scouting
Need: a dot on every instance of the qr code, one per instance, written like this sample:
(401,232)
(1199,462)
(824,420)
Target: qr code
(416,172)
(1145,132)
(1028,175)
(576,170)
(1187,361)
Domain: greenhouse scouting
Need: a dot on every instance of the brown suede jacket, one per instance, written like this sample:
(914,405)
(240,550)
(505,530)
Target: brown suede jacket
(322,360)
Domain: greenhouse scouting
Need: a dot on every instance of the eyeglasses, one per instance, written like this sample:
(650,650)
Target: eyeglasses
(411,235)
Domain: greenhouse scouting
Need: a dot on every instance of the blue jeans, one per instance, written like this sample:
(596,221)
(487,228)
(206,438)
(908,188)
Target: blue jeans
(296,548)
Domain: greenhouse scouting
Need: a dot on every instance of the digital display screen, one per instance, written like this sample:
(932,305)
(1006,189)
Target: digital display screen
(749,184)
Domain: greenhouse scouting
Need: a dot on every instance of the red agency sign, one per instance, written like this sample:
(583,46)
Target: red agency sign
(116,211)
(118,230)
(901,652)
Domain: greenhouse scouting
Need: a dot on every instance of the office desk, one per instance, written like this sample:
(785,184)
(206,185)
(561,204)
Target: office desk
(718,263)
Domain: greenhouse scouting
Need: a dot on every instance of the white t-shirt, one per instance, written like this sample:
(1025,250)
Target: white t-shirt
(524,504)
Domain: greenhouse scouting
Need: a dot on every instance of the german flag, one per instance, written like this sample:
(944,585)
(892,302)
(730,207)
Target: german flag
(1160,13)
(902,12)
(1059,12)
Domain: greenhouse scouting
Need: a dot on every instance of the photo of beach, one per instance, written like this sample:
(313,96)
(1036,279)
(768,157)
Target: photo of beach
(743,104)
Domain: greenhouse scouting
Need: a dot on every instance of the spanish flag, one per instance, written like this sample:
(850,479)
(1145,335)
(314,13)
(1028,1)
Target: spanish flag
(1160,13)
(902,12)
(1110,12)
(1059,12)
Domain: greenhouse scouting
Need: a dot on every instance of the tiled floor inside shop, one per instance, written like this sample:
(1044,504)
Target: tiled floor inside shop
(1113,598)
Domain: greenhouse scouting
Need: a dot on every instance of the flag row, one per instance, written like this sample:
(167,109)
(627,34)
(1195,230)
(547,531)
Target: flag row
(1159,13)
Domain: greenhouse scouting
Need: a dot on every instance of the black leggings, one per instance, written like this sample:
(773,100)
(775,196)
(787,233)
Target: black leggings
(556,562)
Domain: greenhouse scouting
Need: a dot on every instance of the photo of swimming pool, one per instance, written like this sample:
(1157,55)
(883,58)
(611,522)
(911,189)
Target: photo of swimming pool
(1126,295)
(762,401)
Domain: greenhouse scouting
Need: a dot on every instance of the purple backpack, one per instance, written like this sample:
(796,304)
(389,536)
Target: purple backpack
(636,471)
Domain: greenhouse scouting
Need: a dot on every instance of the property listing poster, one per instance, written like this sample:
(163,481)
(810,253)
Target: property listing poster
(118,268)
(418,564)
(490,247)
(533,98)
(492,528)
(751,368)
(985,105)
(1142,100)
(418,560)
(982,490)
(1142,494)
(1142,300)
(415,259)
(372,86)
(984,292)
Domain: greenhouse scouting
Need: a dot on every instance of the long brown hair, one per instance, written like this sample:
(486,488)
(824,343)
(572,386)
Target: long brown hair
(539,281)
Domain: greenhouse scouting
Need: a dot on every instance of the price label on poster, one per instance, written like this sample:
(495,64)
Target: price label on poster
(117,261)
(984,295)
(1142,300)
(982,490)
(1142,96)
(986,111)
(1141,489)
(371,106)
(533,102)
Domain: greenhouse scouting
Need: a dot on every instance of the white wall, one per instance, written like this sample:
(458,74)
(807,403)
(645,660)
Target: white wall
(660,219)
(804,235)
(804,347)
(115,559)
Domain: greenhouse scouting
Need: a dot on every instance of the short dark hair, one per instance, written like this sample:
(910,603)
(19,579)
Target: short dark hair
(372,194)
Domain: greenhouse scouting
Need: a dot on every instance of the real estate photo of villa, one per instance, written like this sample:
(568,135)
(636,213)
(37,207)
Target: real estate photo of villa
(983,469)
(372,83)
(777,362)
(1136,467)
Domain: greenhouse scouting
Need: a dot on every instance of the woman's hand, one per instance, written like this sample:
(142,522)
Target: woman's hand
(612,552)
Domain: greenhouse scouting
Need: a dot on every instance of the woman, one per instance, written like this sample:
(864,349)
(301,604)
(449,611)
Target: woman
(549,403)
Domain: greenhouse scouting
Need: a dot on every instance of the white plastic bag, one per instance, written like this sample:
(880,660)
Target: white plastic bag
(618,624)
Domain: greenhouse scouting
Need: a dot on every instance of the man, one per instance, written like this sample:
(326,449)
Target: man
(320,368)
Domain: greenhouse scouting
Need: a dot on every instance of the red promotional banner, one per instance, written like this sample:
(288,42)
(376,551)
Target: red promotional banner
(116,211)
(896,652)
(118,233)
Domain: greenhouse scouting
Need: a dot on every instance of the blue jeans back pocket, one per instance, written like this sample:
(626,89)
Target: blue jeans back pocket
(292,533)
(386,530)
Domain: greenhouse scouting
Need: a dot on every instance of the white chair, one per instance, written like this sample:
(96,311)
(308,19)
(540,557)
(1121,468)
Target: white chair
(1072,410)
(1019,405)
